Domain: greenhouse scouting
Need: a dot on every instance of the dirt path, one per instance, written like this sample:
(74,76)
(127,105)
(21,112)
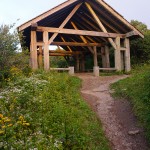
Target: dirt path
(119,123)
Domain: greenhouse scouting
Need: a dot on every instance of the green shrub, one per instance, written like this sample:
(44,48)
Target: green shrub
(45,111)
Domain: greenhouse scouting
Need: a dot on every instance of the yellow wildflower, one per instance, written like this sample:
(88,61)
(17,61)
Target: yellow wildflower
(6,119)
(9,125)
(1,132)
(3,127)
(21,118)
(1,116)
(26,124)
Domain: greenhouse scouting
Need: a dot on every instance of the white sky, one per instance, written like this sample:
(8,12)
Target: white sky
(11,10)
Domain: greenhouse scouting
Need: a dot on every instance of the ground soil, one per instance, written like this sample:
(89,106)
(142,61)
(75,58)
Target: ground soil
(119,123)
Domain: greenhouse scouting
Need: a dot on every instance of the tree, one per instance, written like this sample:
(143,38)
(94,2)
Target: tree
(140,48)
(9,52)
(8,47)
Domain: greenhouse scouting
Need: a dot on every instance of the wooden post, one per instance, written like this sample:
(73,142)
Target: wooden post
(127,55)
(107,56)
(40,57)
(122,60)
(117,55)
(82,63)
(95,56)
(103,57)
(46,50)
(33,51)
(77,63)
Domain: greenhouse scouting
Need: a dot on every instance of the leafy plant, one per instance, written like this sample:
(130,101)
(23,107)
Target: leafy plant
(47,112)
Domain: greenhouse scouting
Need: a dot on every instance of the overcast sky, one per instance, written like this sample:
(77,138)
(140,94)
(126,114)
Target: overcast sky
(11,10)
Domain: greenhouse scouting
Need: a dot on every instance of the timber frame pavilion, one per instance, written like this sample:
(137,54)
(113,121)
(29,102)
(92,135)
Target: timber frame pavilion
(80,27)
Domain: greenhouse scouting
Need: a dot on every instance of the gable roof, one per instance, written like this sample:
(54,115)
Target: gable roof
(111,19)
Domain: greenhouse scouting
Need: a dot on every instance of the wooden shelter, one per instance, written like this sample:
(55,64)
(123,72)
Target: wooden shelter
(81,27)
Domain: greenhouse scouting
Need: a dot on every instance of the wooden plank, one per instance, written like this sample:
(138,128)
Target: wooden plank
(122,48)
(60,69)
(111,10)
(65,22)
(46,14)
(46,50)
(109,69)
(80,32)
(99,23)
(33,51)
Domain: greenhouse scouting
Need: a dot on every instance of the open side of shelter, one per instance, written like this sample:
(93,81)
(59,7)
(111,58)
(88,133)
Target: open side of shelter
(81,28)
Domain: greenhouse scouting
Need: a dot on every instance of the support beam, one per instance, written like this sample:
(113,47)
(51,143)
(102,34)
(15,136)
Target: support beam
(65,22)
(132,33)
(40,57)
(67,46)
(127,55)
(46,14)
(99,23)
(110,9)
(95,56)
(82,37)
(46,50)
(33,51)
(117,55)
(80,32)
(76,44)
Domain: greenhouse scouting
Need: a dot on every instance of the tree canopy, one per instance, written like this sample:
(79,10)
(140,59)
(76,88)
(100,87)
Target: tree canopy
(140,48)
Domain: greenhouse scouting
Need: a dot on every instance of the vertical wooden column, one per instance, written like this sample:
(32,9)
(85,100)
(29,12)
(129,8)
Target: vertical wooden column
(118,55)
(82,63)
(103,57)
(95,56)
(46,50)
(33,51)
(122,60)
(107,56)
(127,55)
(77,63)
(40,57)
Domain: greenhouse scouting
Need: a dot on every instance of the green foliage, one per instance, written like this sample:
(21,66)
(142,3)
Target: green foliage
(137,89)
(10,57)
(140,48)
(45,111)
(58,62)
(8,46)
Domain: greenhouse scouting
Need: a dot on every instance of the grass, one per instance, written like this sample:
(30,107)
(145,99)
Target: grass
(112,73)
(45,111)
(137,89)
